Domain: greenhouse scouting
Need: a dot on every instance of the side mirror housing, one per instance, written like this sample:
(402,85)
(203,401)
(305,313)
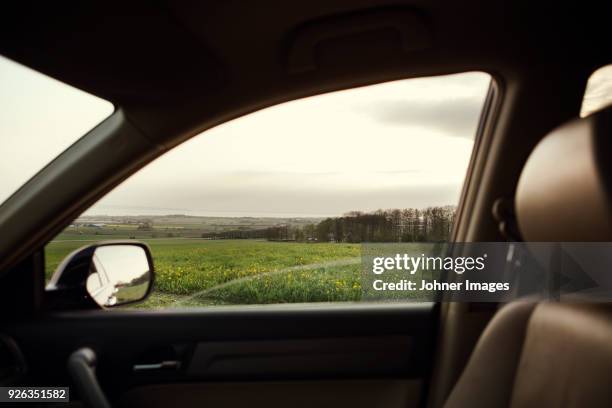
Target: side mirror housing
(102,275)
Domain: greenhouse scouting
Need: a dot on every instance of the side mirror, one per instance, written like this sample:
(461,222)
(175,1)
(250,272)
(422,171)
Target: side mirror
(105,274)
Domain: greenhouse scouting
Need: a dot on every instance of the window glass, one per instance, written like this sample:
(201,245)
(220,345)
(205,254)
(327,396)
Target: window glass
(272,207)
(39,118)
(598,94)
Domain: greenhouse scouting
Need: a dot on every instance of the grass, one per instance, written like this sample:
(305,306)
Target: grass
(195,272)
(200,272)
(336,283)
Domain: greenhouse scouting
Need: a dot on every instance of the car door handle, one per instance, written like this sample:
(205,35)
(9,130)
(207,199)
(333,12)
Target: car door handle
(164,365)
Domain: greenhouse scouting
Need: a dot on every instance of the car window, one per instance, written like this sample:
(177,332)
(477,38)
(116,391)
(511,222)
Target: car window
(94,281)
(273,207)
(39,118)
(598,94)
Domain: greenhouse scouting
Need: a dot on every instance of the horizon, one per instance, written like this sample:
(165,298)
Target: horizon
(184,214)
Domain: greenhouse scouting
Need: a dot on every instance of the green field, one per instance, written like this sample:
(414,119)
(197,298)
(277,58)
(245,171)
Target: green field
(198,272)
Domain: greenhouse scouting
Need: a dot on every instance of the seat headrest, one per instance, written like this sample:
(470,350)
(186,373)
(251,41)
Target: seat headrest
(564,193)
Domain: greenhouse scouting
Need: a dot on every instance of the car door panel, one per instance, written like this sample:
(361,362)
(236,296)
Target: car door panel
(348,354)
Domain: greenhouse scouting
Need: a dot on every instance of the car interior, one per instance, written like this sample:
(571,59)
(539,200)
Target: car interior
(539,173)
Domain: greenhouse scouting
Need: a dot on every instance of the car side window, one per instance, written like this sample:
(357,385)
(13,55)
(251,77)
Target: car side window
(39,118)
(94,282)
(273,207)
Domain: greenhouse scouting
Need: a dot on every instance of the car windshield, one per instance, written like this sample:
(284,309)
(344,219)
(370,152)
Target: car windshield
(39,118)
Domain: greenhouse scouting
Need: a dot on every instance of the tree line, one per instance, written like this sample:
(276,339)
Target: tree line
(432,224)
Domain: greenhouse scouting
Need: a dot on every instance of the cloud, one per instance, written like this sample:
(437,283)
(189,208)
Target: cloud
(400,172)
(273,173)
(456,117)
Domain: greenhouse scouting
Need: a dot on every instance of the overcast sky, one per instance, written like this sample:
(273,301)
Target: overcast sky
(394,145)
(400,144)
